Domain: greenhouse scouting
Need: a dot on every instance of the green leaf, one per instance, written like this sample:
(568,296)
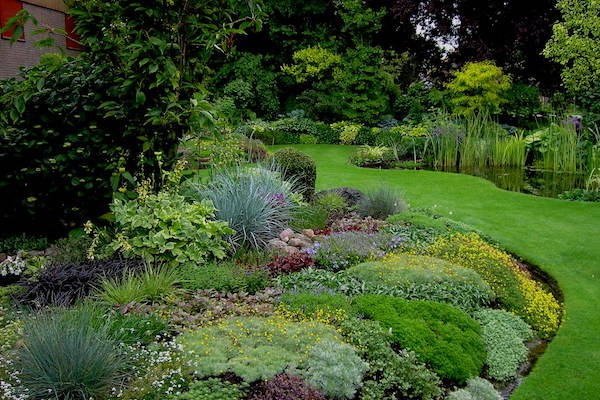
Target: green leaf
(140,97)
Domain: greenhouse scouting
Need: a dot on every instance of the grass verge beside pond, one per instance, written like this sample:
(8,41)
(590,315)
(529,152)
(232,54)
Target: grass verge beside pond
(562,237)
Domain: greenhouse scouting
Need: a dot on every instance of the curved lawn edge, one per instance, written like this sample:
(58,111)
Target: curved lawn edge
(562,238)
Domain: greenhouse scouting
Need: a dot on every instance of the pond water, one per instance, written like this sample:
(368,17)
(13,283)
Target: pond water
(528,180)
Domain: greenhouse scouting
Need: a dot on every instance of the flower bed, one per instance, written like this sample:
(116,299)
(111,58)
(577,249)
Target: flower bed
(414,307)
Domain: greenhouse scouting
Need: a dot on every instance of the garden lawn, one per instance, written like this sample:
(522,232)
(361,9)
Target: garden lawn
(561,237)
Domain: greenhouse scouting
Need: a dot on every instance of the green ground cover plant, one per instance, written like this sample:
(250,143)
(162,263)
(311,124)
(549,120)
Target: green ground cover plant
(443,337)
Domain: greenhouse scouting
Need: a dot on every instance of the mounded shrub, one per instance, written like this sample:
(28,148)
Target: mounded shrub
(299,167)
(256,348)
(394,375)
(350,195)
(68,354)
(445,338)
(515,290)
(256,202)
(380,203)
(476,389)
(342,250)
(414,277)
(492,264)
(504,335)
(164,227)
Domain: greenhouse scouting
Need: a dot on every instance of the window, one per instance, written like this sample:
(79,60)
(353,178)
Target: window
(72,36)
(8,9)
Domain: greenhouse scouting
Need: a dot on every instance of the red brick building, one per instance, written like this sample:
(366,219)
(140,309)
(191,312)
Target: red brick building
(50,13)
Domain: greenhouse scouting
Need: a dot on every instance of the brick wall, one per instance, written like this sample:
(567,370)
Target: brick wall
(23,53)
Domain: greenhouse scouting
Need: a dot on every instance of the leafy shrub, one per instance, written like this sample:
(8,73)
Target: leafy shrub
(477,389)
(309,217)
(67,283)
(297,167)
(308,139)
(72,249)
(331,203)
(256,202)
(425,278)
(325,134)
(391,374)
(60,166)
(347,131)
(291,263)
(350,195)
(282,131)
(164,227)
(380,203)
(522,103)
(68,354)
(214,389)
(286,387)
(342,250)
(152,284)
(13,244)
(334,369)
(443,337)
(253,348)
(366,136)
(223,277)
(372,157)
(580,195)
(312,63)
(503,334)
(479,86)
(492,264)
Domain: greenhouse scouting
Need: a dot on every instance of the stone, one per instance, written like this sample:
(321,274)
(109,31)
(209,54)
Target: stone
(2,257)
(296,242)
(36,253)
(286,234)
(309,233)
(276,244)
(291,249)
(302,237)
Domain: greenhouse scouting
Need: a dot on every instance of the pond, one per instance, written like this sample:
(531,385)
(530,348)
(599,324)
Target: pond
(527,180)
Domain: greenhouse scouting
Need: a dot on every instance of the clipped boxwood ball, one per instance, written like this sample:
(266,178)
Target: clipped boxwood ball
(300,167)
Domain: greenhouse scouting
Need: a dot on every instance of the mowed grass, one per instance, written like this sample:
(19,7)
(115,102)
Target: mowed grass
(562,237)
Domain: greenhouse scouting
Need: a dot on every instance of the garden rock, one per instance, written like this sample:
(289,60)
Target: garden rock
(286,234)
(276,244)
(309,233)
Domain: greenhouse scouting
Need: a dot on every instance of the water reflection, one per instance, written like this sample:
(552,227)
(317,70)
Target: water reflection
(527,180)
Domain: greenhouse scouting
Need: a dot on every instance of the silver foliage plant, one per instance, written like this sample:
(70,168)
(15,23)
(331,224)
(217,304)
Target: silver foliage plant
(255,200)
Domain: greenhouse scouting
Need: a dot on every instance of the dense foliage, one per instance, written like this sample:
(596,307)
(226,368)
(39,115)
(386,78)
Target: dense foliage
(442,336)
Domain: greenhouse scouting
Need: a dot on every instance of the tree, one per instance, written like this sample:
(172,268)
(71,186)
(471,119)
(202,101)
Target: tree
(479,87)
(510,32)
(575,43)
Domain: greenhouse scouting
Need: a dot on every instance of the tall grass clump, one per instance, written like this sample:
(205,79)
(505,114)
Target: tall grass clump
(474,141)
(152,284)
(256,202)
(380,203)
(445,141)
(70,355)
(556,147)
(510,151)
